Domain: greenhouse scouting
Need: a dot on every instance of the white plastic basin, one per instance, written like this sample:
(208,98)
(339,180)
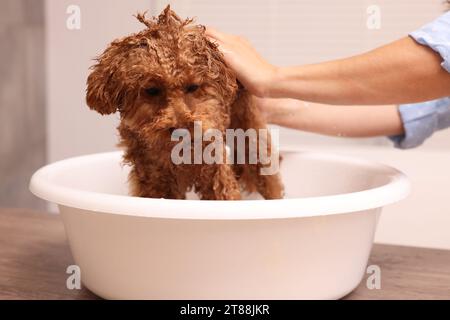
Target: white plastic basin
(312,245)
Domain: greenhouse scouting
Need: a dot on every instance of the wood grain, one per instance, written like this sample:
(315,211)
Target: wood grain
(34,255)
(408,273)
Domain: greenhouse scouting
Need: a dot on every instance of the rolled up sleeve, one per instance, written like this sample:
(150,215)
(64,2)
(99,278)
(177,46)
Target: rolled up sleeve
(436,35)
(421,120)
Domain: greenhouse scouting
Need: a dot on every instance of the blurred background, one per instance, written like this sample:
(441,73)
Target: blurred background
(47,46)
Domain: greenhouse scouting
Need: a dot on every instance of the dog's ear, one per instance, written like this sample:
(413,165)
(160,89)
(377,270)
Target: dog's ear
(220,75)
(103,93)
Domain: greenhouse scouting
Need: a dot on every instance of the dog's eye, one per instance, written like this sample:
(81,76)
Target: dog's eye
(192,88)
(153,91)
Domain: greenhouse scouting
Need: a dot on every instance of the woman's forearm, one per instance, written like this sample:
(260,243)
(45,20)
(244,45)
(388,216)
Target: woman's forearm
(401,72)
(345,121)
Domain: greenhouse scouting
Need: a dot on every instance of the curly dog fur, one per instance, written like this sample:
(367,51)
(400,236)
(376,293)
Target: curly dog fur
(166,77)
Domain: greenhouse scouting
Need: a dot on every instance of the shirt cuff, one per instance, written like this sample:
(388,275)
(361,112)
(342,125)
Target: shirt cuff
(420,121)
(436,35)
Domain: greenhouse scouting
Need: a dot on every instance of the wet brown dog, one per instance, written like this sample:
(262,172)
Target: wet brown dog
(167,77)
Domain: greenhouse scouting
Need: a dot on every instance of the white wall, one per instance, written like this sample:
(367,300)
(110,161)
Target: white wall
(286,32)
(74,129)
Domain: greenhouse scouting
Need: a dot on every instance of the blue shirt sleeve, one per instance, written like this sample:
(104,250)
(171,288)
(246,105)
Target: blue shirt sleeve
(421,120)
(436,35)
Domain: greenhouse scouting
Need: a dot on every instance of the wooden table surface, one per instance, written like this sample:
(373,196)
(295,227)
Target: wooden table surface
(34,255)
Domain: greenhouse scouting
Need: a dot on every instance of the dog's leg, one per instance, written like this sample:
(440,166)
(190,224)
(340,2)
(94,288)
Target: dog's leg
(150,176)
(245,115)
(217,182)
(157,185)
(269,186)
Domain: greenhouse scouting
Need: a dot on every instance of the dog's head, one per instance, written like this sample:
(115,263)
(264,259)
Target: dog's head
(163,78)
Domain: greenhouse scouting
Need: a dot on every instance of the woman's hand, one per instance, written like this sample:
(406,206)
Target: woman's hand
(279,111)
(401,72)
(255,73)
(343,121)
